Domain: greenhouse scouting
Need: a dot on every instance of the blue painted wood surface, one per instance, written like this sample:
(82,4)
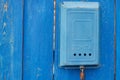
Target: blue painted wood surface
(11,18)
(106,69)
(38,37)
(118,40)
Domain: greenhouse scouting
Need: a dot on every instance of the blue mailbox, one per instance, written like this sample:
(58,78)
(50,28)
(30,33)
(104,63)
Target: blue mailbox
(79,34)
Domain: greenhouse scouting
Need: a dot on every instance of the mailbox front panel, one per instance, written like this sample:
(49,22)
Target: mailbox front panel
(79,34)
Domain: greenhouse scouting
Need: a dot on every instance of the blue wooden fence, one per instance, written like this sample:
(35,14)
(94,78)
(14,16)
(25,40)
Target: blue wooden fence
(11,18)
(38,39)
(117,39)
(26,42)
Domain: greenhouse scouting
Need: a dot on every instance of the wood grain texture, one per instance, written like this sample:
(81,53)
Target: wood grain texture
(118,39)
(11,17)
(106,69)
(38,36)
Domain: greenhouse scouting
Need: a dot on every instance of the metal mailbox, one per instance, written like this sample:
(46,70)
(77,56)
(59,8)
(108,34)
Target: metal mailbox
(79,34)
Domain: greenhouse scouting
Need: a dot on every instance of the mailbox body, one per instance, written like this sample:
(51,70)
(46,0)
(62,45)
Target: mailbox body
(79,34)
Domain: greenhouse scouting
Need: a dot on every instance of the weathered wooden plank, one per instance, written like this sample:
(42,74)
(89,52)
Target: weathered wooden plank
(117,39)
(11,16)
(106,69)
(38,30)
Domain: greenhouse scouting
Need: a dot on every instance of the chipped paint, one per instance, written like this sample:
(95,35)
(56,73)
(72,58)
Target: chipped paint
(4,33)
(1,66)
(4,24)
(38,69)
(1,60)
(38,75)
(0,43)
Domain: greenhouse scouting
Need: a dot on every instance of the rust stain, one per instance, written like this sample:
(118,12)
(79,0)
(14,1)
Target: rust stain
(4,25)
(6,6)
(4,77)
